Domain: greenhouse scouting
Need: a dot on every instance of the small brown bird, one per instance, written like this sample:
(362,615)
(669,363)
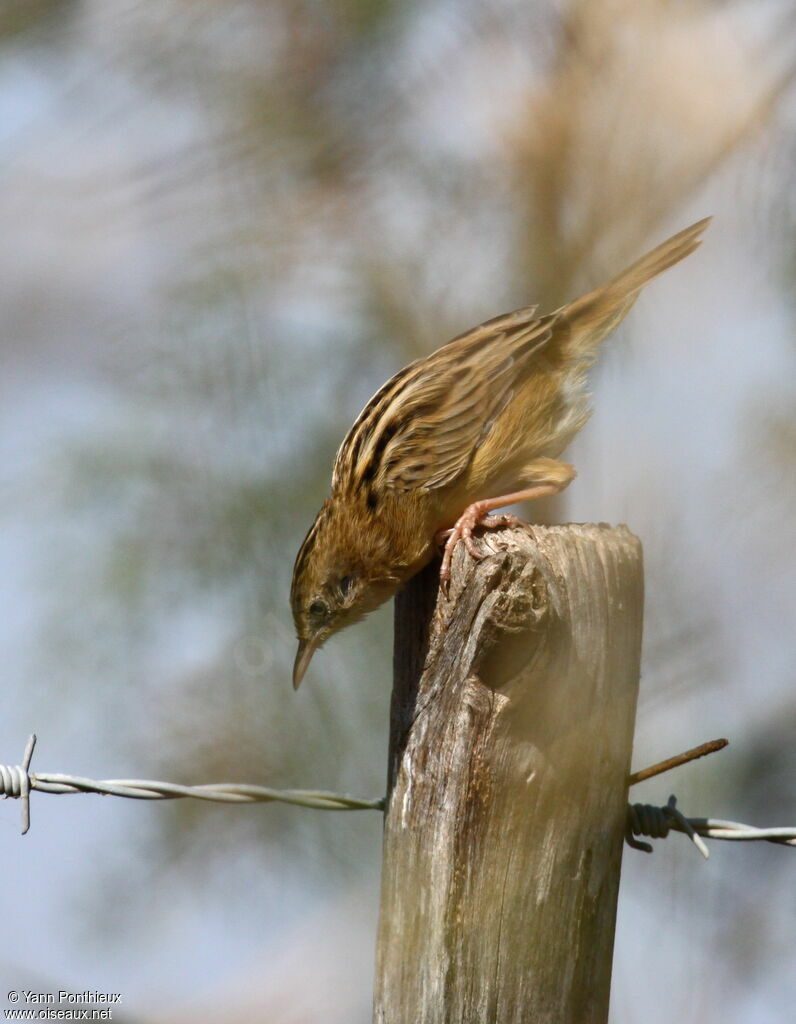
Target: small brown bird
(477,425)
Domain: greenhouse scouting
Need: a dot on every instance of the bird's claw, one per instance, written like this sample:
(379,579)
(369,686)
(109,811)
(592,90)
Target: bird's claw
(467,537)
(504,519)
(461,531)
(473,516)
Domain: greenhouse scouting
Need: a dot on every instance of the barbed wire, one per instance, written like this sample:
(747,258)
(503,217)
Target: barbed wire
(657,822)
(18,782)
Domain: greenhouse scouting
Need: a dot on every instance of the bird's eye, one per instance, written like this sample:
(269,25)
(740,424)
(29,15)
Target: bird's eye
(346,583)
(318,609)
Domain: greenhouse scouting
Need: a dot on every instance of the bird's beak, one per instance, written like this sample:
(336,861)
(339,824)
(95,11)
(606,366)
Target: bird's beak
(306,649)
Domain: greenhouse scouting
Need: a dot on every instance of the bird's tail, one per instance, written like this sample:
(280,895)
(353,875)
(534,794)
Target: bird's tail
(592,316)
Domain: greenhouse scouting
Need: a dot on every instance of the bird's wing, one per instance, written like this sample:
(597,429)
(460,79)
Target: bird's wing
(420,430)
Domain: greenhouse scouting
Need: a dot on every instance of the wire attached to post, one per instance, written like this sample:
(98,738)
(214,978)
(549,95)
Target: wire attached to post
(18,782)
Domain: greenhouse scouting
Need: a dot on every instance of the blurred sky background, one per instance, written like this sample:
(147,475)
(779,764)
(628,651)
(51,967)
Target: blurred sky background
(224,225)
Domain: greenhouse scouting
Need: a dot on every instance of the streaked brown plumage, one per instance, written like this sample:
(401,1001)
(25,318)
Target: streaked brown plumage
(476,425)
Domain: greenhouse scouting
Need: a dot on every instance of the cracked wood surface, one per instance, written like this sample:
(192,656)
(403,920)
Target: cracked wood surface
(511,732)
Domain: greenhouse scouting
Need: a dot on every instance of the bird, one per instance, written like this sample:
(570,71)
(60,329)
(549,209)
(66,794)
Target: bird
(475,426)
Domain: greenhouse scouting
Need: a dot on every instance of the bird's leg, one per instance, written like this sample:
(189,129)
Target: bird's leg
(478,514)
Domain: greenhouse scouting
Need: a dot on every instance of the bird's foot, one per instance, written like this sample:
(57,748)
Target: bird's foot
(474,515)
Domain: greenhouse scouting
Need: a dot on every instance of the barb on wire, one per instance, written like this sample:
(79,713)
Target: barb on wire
(18,781)
(657,822)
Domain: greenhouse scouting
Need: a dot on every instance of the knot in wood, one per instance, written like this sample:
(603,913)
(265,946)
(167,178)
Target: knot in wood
(522,598)
(519,606)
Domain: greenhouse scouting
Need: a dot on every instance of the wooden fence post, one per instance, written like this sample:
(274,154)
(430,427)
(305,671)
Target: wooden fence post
(511,733)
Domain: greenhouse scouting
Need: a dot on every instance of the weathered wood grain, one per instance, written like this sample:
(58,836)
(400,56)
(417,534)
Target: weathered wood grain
(511,735)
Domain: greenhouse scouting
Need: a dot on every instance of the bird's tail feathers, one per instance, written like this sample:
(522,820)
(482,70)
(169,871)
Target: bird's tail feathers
(592,316)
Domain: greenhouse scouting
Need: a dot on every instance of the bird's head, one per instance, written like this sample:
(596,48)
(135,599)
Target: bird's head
(337,579)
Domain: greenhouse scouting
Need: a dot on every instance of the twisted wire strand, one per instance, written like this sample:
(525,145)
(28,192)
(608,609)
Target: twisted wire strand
(12,779)
(232,793)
